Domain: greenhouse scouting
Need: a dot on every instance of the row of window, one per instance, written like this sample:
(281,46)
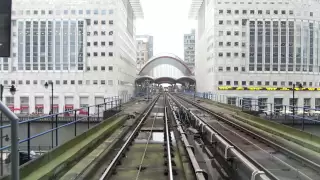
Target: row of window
(265,83)
(102,68)
(95,54)
(228,54)
(102,43)
(96,22)
(102,33)
(261,12)
(58,82)
(65,12)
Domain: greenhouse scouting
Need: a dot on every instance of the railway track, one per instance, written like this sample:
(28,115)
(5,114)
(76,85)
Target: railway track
(274,161)
(142,155)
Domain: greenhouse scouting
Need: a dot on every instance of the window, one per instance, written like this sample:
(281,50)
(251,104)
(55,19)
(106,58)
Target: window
(103,82)
(228,22)
(95,22)
(251,11)
(220,43)
(243,69)
(88,54)
(103,43)
(228,11)
(95,33)
(80,82)
(274,83)
(50,12)
(275,12)
(220,33)
(220,22)
(95,82)
(95,43)
(220,68)
(96,12)
(228,83)
(311,14)
(236,12)
(236,54)
(228,43)
(103,22)
(103,33)
(259,11)
(95,54)
(220,11)
(220,83)
(73,12)
(236,33)
(80,12)
(13,82)
(304,83)
(283,12)
(88,12)
(95,68)
(110,11)
(244,11)
(35,12)
(228,68)
(310,84)
(65,82)
(20,82)
(267,83)
(291,12)
(220,54)
(110,68)
(88,43)
(290,83)
(88,68)
(110,53)
(110,43)
(110,33)
(244,83)
(228,54)
(243,54)
(236,22)
(103,54)
(283,83)
(87,82)
(28,82)
(228,33)
(235,83)
(103,68)
(235,68)
(65,12)
(236,43)
(251,83)
(110,22)
(267,11)
(72,82)
(259,83)
(57,82)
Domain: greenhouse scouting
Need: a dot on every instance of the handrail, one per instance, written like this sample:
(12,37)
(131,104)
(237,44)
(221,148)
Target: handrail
(61,113)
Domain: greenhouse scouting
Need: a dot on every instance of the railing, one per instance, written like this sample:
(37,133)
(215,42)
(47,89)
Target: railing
(110,106)
(285,114)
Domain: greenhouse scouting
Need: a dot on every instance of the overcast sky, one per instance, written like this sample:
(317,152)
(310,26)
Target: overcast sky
(166,21)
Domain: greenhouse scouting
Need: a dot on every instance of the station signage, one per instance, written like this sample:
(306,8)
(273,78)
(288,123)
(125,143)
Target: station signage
(251,88)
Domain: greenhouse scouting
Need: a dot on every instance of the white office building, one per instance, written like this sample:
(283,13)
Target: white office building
(259,49)
(86,48)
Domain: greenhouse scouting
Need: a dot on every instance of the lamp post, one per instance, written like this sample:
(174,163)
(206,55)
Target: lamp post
(46,85)
(293,100)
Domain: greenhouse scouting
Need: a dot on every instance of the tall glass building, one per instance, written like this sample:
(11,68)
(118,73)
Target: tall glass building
(86,48)
(259,49)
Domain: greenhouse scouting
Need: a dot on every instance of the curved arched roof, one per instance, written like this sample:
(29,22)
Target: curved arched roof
(166,58)
(189,79)
(161,80)
(143,78)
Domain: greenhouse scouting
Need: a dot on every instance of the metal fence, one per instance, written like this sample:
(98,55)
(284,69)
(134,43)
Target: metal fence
(112,104)
(293,116)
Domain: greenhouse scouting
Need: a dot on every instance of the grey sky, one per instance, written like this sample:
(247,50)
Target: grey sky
(167,21)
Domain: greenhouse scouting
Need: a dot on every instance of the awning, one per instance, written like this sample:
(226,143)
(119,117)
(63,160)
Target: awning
(55,106)
(68,106)
(24,107)
(39,106)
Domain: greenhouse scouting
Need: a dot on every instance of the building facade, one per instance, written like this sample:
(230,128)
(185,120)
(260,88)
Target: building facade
(85,48)
(259,49)
(189,48)
(144,50)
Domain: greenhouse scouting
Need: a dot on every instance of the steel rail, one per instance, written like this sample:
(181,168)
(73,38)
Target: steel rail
(167,133)
(200,173)
(145,149)
(255,168)
(290,153)
(130,138)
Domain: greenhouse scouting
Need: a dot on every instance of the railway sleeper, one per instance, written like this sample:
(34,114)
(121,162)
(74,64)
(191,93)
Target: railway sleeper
(174,172)
(172,162)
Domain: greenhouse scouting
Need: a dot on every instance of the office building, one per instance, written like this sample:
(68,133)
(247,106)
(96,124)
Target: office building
(144,50)
(85,48)
(259,49)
